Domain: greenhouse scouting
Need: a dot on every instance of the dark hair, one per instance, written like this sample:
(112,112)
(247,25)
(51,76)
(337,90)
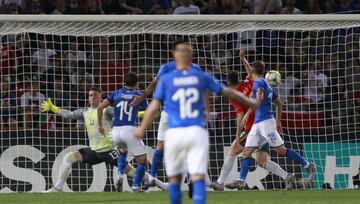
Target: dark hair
(179,42)
(94,88)
(233,77)
(130,79)
(259,67)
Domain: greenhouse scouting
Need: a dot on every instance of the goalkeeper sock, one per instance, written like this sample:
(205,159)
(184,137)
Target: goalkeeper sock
(275,169)
(65,170)
(291,154)
(121,162)
(199,192)
(244,169)
(138,176)
(174,192)
(156,162)
(226,168)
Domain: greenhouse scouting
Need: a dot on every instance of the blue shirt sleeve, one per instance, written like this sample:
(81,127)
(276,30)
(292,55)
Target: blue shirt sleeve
(111,97)
(160,90)
(196,66)
(143,104)
(213,85)
(162,70)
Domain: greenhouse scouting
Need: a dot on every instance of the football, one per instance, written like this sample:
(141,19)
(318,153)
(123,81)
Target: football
(273,77)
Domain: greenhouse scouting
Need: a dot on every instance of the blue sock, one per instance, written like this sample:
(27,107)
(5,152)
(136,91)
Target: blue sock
(174,192)
(121,162)
(156,162)
(199,193)
(244,169)
(139,174)
(291,154)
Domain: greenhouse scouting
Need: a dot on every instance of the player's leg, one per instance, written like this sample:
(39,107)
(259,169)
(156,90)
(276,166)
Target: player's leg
(264,162)
(65,168)
(139,173)
(158,155)
(175,156)
(197,161)
(236,147)
(252,142)
(269,132)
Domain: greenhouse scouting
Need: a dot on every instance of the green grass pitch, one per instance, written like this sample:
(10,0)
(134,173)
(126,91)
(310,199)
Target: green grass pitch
(236,197)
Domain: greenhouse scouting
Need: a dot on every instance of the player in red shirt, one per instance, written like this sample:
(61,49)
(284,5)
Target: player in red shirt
(245,119)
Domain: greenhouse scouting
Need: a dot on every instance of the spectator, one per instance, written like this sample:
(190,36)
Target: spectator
(59,7)
(290,8)
(296,101)
(357,104)
(236,6)
(112,72)
(82,75)
(245,10)
(13,6)
(30,102)
(221,55)
(7,58)
(128,7)
(313,7)
(93,7)
(59,94)
(315,84)
(36,7)
(73,56)
(157,7)
(345,6)
(187,8)
(7,106)
(264,6)
(329,6)
(287,84)
(42,56)
(74,8)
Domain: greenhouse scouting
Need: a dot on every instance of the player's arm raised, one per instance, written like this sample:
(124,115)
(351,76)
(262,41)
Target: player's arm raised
(100,110)
(72,115)
(278,112)
(147,118)
(248,68)
(148,91)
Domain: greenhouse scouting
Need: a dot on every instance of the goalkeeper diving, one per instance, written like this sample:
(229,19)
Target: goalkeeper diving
(100,146)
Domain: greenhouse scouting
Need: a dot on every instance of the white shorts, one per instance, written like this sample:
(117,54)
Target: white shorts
(163,125)
(123,137)
(186,149)
(264,132)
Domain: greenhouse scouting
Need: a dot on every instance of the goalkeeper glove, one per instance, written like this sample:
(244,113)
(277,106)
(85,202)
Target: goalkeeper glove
(49,106)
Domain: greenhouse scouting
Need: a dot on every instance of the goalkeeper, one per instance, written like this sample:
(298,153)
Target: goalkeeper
(101,148)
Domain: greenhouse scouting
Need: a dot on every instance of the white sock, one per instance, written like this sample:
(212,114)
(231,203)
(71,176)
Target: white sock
(65,170)
(275,169)
(226,168)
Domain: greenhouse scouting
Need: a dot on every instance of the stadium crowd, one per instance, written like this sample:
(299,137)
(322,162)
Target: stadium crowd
(320,70)
(179,6)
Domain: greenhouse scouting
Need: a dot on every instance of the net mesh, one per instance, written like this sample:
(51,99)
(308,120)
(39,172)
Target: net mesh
(319,63)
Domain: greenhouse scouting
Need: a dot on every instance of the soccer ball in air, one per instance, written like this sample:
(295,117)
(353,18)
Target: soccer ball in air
(273,77)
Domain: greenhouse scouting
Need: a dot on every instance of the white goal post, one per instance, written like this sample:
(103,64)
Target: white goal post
(61,57)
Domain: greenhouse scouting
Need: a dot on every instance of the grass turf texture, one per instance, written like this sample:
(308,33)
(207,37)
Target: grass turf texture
(247,197)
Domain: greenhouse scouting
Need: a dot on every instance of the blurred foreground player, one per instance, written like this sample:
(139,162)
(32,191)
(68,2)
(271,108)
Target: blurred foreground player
(186,139)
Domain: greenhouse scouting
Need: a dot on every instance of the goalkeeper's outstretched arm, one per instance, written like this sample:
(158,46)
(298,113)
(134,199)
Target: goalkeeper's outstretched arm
(47,106)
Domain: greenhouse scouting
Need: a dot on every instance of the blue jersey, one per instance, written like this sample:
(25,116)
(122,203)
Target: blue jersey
(183,93)
(265,109)
(124,114)
(171,66)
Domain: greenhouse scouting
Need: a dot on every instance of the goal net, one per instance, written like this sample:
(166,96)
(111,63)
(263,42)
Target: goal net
(61,57)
